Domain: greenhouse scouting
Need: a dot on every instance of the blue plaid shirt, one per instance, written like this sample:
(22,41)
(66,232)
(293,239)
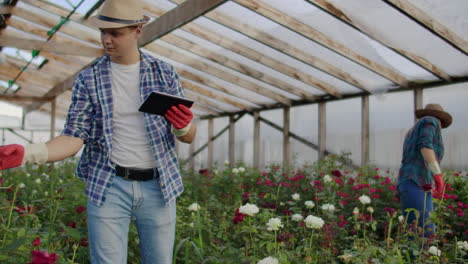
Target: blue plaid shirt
(90,118)
(426,133)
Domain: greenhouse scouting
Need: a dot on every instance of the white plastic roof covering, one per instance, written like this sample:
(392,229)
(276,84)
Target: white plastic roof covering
(285,48)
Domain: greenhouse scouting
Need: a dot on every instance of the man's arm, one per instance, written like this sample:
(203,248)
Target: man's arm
(190,136)
(62,147)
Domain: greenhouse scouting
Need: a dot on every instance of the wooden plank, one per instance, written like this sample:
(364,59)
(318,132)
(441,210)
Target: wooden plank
(340,14)
(418,101)
(282,18)
(232,141)
(216,96)
(322,130)
(206,109)
(201,100)
(432,24)
(365,130)
(22,98)
(5,9)
(210,142)
(177,17)
(212,83)
(241,49)
(52,46)
(242,68)
(53,113)
(218,72)
(286,141)
(256,140)
(281,46)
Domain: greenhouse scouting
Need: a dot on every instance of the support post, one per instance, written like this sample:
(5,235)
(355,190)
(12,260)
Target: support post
(53,108)
(256,143)
(364,130)
(322,133)
(210,142)
(286,142)
(231,140)
(418,100)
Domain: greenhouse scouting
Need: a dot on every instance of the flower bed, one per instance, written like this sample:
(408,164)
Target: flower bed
(320,213)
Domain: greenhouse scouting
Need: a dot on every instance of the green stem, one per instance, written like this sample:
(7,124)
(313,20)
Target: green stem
(9,217)
(311,239)
(276,243)
(75,248)
(389,231)
(200,237)
(51,224)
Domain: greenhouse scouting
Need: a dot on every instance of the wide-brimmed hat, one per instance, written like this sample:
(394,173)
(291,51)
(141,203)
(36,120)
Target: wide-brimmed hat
(435,110)
(119,13)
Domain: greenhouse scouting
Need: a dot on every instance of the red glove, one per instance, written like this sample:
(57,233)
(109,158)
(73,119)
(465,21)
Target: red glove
(179,116)
(439,185)
(11,156)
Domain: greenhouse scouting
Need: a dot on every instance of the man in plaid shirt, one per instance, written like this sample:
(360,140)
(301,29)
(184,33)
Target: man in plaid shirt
(129,161)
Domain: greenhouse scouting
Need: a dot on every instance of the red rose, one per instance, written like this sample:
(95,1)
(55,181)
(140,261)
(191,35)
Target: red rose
(336,173)
(39,257)
(72,224)
(84,242)
(427,187)
(79,209)
(36,242)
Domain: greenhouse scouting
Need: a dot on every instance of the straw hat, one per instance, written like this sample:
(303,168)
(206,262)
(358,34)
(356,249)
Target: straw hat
(119,13)
(435,110)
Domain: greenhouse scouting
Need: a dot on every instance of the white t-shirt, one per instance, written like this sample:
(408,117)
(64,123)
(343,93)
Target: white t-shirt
(130,143)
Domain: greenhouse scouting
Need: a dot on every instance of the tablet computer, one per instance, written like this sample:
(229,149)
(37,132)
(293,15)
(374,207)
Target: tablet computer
(158,103)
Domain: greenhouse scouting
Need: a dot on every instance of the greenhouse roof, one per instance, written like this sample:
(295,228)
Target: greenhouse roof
(245,55)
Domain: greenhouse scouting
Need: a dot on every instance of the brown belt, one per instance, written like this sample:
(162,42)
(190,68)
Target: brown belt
(136,174)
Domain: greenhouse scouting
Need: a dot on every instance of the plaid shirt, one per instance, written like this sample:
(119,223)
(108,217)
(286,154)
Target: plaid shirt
(425,134)
(90,118)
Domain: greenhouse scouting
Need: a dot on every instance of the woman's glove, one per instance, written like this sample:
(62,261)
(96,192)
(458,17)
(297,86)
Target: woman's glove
(439,185)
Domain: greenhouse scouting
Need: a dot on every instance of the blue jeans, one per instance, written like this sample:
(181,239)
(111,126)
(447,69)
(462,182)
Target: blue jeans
(413,196)
(108,225)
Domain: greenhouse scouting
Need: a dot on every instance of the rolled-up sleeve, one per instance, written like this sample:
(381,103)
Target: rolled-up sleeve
(80,112)
(427,135)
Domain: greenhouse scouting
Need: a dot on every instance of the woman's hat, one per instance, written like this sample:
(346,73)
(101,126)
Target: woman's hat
(435,110)
(119,13)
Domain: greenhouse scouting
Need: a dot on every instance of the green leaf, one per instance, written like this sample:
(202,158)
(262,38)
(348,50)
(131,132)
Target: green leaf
(73,232)
(14,245)
(35,53)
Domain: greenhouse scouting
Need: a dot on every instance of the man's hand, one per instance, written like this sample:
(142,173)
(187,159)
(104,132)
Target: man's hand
(439,185)
(11,156)
(180,116)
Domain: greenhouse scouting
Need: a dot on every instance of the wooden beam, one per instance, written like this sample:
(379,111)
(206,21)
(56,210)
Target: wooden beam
(418,101)
(202,100)
(281,46)
(286,142)
(256,142)
(210,142)
(232,141)
(5,9)
(217,71)
(365,130)
(427,21)
(198,89)
(322,130)
(282,18)
(52,46)
(340,14)
(212,83)
(243,50)
(19,135)
(53,113)
(18,98)
(206,109)
(192,161)
(239,67)
(177,17)
(226,128)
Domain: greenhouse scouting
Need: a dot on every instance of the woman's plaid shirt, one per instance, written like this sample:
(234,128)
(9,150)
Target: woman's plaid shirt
(90,118)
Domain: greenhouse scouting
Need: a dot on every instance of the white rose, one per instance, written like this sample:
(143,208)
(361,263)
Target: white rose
(235,171)
(38,181)
(226,163)
(274,224)
(22,185)
(297,217)
(327,178)
(401,218)
(328,207)
(296,197)
(309,204)
(364,199)
(241,169)
(314,222)
(249,209)
(268,260)
(370,209)
(434,251)
(356,210)
(194,207)
(462,245)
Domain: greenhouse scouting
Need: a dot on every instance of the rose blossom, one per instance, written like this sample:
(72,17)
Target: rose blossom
(249,209)
(364,199)
(314,222)
(274,224)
